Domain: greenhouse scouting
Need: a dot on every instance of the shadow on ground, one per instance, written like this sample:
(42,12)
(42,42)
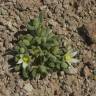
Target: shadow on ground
(82,31)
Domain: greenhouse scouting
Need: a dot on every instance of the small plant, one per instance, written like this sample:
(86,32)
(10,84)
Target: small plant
(38,52)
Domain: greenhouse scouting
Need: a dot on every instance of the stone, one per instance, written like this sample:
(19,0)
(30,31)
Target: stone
(53,23)
(28,87)
(16,94)
(86,71)
(3,12)
(47,1)
(22,5)
(72,70)
(54,75)
(20,83)
(91,30)
(62,73)
(43,7)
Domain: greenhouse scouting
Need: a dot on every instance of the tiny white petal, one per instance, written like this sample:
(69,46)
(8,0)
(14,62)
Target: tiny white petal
(74,53)
(24,65)
(20,61)
(75,61)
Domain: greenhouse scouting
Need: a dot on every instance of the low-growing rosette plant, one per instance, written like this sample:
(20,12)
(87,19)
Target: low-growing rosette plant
(38,52)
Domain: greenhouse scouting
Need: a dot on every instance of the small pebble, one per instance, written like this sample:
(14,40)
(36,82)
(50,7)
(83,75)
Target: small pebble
(28,87)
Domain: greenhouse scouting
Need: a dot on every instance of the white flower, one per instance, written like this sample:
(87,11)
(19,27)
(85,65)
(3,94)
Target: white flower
(24,60)
(69,57)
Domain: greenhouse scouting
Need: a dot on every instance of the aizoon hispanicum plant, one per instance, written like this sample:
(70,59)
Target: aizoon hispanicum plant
(38,52)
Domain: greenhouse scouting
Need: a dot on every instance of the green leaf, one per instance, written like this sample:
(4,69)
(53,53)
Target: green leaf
(17,48)
(17,67)
(52,42)
(43,32)
(21,43)
(64,66)
(55,42)
(29,37)
(30,26)
(42,69)
(17,57)
(36,51)
(51,65)
(38,40)
(26,42)
(41,17)
(49,31)
(52,57)
(25,73)
(44,39)
(34,73)
(55,50)
(36,23)
(57,66)
(22,50)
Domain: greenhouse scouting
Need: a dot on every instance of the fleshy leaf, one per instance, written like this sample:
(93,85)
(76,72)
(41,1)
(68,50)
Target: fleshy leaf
(57,66)
(26,42)
(64,66)
(22,50)
(21,43)
(17,57)
(43,69)
(25,73)
(36,23)
(17,48)
(51,65)
(29,37)
(17,68)
(34,72)
(30,26)
(55,50)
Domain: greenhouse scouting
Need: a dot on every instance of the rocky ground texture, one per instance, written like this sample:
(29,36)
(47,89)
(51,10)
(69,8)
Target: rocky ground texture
(67,18)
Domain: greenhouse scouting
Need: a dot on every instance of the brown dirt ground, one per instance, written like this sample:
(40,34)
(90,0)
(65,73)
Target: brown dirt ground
(66,18)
